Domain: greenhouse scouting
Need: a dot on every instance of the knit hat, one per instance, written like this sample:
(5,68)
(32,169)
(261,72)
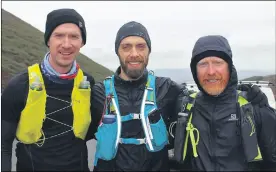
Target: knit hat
(132,29)
(207,46)
(61,16)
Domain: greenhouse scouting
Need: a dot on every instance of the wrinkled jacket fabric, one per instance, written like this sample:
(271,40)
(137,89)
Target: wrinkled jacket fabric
(220,147)
(130,93)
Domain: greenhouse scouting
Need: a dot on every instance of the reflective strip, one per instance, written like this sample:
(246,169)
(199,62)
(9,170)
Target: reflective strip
(146,131)
(132,141)
(119,124)
(149,103)
(150,89)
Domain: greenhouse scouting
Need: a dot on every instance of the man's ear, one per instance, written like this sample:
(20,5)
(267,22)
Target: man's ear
(82,44)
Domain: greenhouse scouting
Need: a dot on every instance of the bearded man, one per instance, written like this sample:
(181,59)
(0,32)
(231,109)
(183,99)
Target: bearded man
(134,109)
(225,130)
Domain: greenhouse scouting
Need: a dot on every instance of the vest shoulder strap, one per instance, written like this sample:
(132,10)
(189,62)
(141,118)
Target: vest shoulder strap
(150,86)
(109,85)
(78,79)
(34,73)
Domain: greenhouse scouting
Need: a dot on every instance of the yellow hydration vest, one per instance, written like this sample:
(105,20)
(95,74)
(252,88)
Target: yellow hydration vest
(190,129)
(29,129)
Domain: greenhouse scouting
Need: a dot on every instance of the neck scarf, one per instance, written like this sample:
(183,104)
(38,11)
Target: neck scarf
(56,77)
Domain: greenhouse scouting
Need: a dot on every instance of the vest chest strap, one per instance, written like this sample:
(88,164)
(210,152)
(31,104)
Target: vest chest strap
(132,141)
(130,116)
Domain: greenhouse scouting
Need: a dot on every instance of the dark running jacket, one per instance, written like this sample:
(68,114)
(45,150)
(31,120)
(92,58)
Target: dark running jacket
(220,147)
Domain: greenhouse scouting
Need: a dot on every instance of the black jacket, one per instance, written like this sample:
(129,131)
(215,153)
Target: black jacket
(130,94)
(220,147)
(62,153)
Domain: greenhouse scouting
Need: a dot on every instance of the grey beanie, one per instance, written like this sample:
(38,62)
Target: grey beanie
(132,29)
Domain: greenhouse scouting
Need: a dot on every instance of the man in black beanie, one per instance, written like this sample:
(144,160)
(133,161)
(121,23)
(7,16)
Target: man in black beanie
(233,130)
(142,103)
(47,107)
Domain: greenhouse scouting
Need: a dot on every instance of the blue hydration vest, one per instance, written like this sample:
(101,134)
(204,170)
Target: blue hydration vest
(109,134)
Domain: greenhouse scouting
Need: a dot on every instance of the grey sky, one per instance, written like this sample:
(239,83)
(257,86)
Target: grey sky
(173,27)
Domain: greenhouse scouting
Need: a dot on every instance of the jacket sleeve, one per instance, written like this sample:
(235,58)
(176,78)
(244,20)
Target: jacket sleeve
(7,138)
(266,128)
(97,105)
(12,104)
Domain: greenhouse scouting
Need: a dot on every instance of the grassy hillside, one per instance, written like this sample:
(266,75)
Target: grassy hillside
(23,45)
(270,78)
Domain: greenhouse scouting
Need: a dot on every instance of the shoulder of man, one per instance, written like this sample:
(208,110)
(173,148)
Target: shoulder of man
(14,97)
(18,81)
(166,81)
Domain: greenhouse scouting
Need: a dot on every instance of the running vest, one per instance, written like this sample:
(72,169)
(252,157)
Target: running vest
(29,129)
(109,134)
(185,131)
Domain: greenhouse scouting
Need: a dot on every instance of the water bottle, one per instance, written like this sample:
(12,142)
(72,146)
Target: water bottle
(109,119)
(36,84)
(84,83)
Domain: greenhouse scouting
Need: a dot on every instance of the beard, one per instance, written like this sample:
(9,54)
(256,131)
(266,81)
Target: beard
(134,73)
(217,89)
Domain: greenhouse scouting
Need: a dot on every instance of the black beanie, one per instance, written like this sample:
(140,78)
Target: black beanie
(210,53)
(61,16)
(132,29)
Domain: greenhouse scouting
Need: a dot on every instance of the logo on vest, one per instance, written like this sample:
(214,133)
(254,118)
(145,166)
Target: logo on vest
(233,117)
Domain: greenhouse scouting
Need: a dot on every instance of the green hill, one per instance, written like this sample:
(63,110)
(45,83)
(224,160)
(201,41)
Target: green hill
(23,45)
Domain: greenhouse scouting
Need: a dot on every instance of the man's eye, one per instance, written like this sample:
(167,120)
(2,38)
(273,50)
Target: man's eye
(58,35)
(202,64)
(141,46)
(218,62)
(126,47)
(75,36)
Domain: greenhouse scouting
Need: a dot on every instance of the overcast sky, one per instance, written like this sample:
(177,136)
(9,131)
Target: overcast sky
(173,27)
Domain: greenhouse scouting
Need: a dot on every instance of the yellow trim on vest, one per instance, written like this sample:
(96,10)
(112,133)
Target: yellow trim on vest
(29,128)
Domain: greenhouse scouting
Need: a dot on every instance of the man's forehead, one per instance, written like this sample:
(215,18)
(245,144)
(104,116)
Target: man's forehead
(67,27)
(133,40)
(211,58)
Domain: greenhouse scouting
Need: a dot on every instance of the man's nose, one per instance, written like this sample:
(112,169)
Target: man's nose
(66,42)
(211,69)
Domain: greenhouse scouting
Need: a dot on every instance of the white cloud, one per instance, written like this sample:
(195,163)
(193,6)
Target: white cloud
(173,27)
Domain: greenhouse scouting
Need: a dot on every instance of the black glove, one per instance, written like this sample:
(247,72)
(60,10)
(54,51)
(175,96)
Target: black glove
(254,94)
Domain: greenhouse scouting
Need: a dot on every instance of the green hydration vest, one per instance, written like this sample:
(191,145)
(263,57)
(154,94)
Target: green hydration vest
(109,134)
(185,130)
